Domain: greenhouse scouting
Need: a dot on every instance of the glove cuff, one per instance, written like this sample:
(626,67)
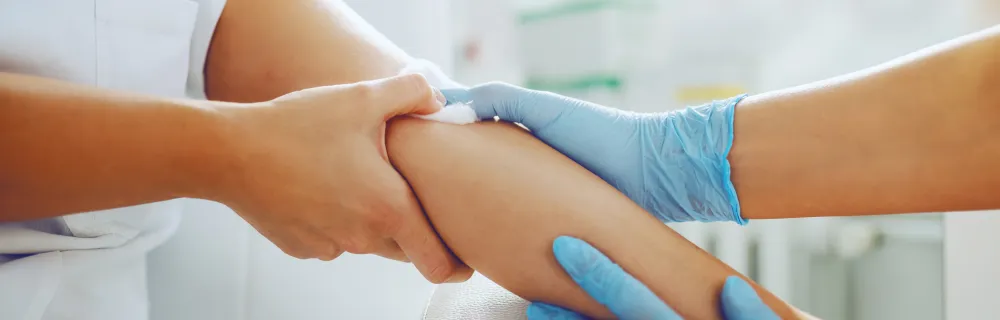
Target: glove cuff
(729,113)
(693,174)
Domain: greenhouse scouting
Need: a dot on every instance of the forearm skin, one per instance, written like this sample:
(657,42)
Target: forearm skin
(917,134)
(499,197)
(69,148)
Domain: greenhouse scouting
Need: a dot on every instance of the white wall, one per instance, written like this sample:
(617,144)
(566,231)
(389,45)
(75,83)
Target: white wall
(972,265)
(972,261)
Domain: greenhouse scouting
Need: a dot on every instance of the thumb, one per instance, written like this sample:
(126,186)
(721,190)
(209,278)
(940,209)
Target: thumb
(402,94)
(740,301)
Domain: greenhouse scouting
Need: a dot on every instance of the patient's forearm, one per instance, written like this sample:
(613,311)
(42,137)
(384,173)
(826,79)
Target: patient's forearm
(499,197)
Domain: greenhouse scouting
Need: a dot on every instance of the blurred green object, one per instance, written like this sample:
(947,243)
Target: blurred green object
(558,9)
(610,81)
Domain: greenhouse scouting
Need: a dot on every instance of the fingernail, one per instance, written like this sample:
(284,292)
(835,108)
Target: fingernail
(574,256)
(458,278)
(440,97)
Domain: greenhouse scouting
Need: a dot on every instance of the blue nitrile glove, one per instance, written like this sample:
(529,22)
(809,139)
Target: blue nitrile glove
(672,164)
(627,298)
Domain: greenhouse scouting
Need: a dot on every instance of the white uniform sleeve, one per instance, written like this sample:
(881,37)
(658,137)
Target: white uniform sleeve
(208,16)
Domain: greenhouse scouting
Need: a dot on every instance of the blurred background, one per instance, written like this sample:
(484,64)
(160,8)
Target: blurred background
(659,55)
(642,55)
(649,55)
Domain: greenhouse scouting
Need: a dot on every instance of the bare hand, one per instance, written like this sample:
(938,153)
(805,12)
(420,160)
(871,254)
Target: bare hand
(313,175)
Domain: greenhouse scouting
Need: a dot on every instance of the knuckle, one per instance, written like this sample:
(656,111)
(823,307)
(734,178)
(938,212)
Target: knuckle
(330,251)
(417,83)
(462,274)
(416,80)
(365,91)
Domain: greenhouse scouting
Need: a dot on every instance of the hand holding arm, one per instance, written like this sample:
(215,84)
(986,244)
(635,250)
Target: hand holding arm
(264,49)
(308,170)
(628,298)
(313,174)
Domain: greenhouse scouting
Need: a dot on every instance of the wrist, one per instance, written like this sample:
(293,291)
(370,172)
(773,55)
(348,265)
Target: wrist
(210,162)
(693,171)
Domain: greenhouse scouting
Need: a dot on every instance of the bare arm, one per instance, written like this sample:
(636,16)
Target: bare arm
(77,148)
(264,48)
(308,170)
(70,148)
(918,134)
(295,44)
(67,148)
(499,197)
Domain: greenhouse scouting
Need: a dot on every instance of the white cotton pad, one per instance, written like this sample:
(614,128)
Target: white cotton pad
(457,113)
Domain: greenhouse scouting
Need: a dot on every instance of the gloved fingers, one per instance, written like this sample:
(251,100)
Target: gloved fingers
(544,311)
(608,283)
(741,302)
(488,101)
(457,95)
(533,109)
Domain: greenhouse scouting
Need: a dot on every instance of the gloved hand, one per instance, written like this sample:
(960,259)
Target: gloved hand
(627,298)
(672,164)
